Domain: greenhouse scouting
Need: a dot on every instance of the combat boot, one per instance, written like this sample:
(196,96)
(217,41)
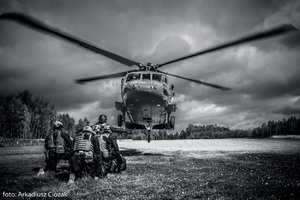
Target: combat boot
(103,170)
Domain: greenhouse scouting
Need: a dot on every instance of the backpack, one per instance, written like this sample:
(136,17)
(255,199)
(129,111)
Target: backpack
(83,146)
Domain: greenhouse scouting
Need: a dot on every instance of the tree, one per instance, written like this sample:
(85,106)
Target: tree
(68,122)
(24,123)
(25,116)
(79,126)
(86,122)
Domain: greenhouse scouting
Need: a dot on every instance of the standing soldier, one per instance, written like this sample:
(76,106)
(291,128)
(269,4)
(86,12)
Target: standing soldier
(58,146)
(113,144)
(87,157)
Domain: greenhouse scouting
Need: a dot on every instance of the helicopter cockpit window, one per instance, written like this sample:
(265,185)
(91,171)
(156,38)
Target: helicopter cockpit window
(156,77)
(146,76)
(132,77)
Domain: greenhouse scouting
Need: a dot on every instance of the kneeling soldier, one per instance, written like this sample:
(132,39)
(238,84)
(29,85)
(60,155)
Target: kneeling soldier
(102,136)
(58,146)
(109,147)
(87,156)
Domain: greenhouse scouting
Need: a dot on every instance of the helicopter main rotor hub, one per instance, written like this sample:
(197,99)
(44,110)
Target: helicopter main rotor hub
(148,67)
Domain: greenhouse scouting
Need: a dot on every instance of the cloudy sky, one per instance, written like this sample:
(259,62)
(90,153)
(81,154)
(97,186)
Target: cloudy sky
(264,75)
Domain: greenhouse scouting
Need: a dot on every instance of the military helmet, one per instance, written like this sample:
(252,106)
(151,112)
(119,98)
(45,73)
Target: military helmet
(57,124)
(102,119)
(88,129)
(106,129)
(97,128)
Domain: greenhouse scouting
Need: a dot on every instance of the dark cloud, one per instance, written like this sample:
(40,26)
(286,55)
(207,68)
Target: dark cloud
(291,41)
(288,110)
(236,17)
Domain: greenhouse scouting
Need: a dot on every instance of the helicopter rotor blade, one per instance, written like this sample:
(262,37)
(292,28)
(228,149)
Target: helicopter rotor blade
(42,27)
(101,77)
(282,29)
(197,81)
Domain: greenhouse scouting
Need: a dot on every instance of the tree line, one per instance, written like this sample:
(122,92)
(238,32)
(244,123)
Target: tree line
(289,126)
(192,132)
(28,116)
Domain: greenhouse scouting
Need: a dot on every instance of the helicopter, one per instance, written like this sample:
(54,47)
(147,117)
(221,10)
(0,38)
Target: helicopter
(146,91)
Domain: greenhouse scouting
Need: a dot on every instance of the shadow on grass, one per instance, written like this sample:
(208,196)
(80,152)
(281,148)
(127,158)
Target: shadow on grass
(134,152)
(130,152)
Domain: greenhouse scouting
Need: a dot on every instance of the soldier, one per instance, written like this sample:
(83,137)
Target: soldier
(58,146)
(118,160)
(102,136)
(87,156)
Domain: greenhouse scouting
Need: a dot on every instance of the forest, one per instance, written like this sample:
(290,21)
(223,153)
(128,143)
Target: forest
(28,116)
(289,126)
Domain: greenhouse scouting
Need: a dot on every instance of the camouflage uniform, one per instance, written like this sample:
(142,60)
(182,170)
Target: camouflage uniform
(116,162)
(87,156)
(58,146)
(102,136)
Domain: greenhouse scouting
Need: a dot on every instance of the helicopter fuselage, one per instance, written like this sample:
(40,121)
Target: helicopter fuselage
(146,95)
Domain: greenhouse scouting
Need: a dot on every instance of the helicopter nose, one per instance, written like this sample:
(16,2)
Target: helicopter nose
(145,87)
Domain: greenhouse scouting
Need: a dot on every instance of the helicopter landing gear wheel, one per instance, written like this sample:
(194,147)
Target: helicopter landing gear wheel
(120,120)
(172,122)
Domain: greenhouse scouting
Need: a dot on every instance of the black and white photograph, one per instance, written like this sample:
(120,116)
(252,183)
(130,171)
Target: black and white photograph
(150,99)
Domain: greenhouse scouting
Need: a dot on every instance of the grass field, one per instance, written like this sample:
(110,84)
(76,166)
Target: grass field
(185,169)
